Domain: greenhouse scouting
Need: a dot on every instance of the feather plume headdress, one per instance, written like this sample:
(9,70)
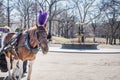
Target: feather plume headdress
(42,18)
(4,29)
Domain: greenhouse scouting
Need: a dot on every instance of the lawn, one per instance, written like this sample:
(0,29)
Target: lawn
(87,40)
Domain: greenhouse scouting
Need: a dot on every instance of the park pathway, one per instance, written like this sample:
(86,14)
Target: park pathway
(75,66)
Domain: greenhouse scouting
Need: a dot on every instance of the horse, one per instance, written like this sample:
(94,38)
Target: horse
(25,46)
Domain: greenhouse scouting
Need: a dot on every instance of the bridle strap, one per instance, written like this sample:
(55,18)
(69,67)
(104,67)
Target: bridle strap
(41,40)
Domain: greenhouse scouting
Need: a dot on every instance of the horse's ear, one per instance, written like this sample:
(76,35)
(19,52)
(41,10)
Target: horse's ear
(37,26)
(45,25)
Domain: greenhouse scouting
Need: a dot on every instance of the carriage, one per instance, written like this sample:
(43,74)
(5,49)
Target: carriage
(3,64)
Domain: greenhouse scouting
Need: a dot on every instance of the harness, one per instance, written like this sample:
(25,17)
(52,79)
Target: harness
(12,44)
(27,44)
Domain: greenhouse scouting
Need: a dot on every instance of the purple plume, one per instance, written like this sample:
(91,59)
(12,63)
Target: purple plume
(4,30)
(42,18)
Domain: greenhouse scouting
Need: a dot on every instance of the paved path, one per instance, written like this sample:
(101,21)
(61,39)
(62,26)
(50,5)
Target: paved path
(99,50)
(75,66)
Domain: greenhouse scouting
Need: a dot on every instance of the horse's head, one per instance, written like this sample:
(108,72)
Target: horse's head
(41,35)
(41,32)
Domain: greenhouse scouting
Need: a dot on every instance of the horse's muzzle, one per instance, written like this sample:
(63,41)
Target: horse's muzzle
(44,50)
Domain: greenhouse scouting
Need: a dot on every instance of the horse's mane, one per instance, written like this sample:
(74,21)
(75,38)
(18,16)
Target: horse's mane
(35,28)
(32,28)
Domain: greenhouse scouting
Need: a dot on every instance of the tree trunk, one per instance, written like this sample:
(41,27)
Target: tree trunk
(8,13)
(67,30)
(94,34)
(107,39)
(82,39)
(28,21)
(119,40)
(82,32)
(58,31)
(94,39)
(114,40)
(50,23)
(21,21)
(111,40)
(24,22)
(62,34)
(79,32)
(50,19)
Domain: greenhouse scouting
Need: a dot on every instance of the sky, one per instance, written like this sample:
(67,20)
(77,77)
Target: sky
(14,13)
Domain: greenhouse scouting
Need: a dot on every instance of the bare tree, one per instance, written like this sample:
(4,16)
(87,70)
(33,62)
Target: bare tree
(2,15)
(94,26)
(25,9)
(83,7)
(50,7)
(66,24)
(54,9)
(112,12)
(95,22)
(8,7)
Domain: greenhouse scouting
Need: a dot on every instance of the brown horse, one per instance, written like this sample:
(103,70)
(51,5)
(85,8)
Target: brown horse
(37,37)
(25,48)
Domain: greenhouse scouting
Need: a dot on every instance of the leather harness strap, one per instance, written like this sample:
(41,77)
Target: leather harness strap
(27,44)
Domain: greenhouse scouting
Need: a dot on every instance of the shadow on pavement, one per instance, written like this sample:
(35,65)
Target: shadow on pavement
(3,78)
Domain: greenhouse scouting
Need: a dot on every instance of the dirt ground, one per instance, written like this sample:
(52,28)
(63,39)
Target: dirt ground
(75,66)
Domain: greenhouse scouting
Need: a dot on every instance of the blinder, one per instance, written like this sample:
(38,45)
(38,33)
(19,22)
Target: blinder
(43,34)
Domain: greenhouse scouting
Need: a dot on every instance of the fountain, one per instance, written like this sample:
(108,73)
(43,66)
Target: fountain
(79,45)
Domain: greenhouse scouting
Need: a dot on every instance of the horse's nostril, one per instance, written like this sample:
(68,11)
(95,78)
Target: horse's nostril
(17,77)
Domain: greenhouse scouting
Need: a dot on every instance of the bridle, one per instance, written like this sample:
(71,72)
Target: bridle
(44,35)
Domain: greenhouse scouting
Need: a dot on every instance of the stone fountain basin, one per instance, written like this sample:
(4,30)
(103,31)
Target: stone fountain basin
(80,45)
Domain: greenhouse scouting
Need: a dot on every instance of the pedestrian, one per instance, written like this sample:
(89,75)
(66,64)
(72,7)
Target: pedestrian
(25,66)
(49,37)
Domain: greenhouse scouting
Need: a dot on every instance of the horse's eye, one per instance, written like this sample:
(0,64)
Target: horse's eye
(44,34)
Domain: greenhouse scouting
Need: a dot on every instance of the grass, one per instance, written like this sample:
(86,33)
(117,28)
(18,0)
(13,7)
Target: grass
(87,40)
(60,40)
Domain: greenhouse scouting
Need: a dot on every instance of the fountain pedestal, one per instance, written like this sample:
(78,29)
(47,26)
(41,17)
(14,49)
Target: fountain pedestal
(80,45)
